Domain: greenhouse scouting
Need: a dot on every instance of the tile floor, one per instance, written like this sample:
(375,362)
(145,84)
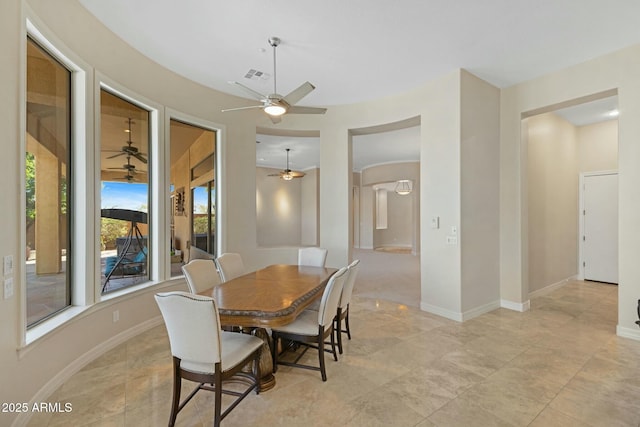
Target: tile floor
(560,364)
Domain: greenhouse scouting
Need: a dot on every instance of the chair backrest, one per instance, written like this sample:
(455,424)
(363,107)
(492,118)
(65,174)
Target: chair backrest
(330,298)
(193,325)
(201,274)
(347,289)
(312,256)
(197,253)
(230,266)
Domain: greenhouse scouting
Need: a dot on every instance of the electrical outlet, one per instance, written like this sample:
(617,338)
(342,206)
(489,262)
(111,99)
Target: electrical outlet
(116,316)
(8,287)
(8,265)
(452,240)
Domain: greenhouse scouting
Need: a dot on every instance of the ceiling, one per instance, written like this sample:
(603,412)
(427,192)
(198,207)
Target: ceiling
(361,50)
(355,51)
(401,145)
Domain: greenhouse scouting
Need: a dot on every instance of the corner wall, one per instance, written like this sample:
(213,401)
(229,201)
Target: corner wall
(552,153)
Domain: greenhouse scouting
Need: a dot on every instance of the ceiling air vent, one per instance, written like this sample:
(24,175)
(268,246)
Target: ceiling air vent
(257,75)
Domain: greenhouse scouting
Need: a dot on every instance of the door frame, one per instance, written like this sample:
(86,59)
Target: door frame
(581,216)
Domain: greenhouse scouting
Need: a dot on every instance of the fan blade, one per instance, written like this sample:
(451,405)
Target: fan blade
(297,94)
(140,157)
(296,109)
(116,155)
(275,119)
(242,108)
(294,174)
(256,95)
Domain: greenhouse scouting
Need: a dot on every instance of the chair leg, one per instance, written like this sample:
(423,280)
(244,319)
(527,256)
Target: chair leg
(218,398)
(177,386)
(323,371)
(338,330)
(346,322)
(333,344)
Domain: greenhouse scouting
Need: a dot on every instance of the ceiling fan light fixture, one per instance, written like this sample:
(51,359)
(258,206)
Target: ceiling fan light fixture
(287,176)
(275,109)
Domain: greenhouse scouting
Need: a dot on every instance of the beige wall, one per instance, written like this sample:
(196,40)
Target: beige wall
(552,153)
(479,194)
(278,209)
(598,146)
(310,208)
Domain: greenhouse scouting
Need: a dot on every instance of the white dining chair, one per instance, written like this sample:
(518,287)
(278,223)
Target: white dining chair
(201,274)
(205,354)
(312,256)
(311,328)
(230,266)
(345,301)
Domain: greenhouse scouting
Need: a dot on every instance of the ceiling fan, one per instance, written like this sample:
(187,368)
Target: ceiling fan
(288,174)
(129,150)
(274,104)
(131,170)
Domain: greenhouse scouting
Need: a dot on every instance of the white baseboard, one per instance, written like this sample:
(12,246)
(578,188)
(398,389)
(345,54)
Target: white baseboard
(54,383)
(630,333)
(443,312)
(516,306)
(478,311)
(552,287)
(460,317)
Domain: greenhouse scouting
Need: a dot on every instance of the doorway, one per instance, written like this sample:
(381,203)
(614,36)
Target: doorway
(562,146)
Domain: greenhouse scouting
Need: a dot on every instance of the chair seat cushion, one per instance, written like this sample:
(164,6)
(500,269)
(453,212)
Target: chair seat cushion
(235,348)
(305,324)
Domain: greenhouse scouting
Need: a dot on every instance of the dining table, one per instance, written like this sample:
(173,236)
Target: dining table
(271,296)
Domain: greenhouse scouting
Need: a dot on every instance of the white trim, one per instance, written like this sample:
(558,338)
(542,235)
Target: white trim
(552,287)
(67,372)
(480,310)
(630,333)
(80,196)
(516,306)
(157,202)
(219,150)
(443,312)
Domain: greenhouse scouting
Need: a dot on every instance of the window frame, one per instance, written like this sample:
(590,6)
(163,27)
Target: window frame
(79,129)
(157,206)
(86,83)
(219,153)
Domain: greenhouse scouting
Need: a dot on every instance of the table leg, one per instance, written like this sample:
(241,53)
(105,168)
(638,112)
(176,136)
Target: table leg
(267,380)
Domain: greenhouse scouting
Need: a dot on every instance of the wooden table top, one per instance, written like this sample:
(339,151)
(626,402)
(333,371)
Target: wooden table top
(272,296)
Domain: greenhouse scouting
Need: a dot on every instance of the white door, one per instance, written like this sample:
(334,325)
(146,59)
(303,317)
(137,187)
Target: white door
(600,237)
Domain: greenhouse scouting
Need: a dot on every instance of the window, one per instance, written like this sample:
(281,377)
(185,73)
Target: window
(193,192)
(124,194)
(48,207)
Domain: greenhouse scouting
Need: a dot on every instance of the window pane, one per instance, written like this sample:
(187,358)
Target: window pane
(193,192)
(124,231)
(48,202)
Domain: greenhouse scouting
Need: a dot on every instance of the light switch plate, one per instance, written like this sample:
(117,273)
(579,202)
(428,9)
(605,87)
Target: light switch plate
(435,222)
(8,265)
(8,287)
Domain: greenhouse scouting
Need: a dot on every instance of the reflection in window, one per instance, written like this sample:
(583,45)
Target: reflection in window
(47,176)
(124,195)
(193,221)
